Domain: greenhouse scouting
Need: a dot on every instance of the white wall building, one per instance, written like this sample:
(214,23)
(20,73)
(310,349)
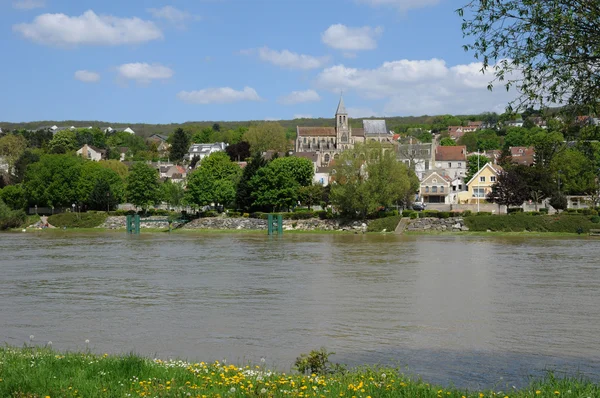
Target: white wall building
(203,150)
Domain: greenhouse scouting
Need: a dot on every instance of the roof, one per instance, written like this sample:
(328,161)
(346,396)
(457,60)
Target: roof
(324,169)
(522,155)
(477,123)
(268,155)
(341,109)
(312,156)
(375,127)
(123,149)
(159,136)
(495,168)
(316,131)
(444,177)
(358,132)
(443,153)
(97,149)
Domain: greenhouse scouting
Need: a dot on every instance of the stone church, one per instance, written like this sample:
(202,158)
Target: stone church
(329,142)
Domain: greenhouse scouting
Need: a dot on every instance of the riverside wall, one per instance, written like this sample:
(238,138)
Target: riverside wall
(454,224)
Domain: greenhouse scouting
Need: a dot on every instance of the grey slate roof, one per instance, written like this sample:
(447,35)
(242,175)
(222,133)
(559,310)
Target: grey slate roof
(341,109)
(375,127)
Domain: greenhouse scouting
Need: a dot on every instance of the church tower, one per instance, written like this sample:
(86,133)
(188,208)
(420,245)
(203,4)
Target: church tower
(341,125)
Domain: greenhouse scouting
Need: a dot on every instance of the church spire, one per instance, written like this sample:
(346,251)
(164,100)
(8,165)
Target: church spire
(341,109)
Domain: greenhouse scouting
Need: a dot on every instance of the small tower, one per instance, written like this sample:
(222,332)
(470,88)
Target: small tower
(341,124)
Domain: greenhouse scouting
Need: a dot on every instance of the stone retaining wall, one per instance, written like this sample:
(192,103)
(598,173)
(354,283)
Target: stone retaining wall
(437,224)
(118,222)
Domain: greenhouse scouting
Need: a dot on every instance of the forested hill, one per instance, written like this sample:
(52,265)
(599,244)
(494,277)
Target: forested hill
(146,130)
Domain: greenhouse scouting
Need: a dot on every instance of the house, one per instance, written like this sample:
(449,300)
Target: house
(493,154)
(122,153)
(129,130)
(203,150)
(458,131)
(539,122)
(322,175)
(417,156)
(173,172)
(514,123)
(452,160)
(435,188)
(480,184)
(478,125)
(162,146)
(91,153)
(522,155)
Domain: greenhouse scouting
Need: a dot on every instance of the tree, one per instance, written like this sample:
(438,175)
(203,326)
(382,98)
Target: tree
(266,136)
(172,192)
(214,181)
(216,127)
(180,145)
(368,177)
(538,180)
(205,136)
(548,49)
(474,164)
(20,167)
(577,172)
(14,196)
(11,148)
(276,185)
(93,136)
(509,190)
(243,196)
(63,141)
(142,188)
(99,186)
(116,166)
(238,152)
(447,141)
(53,181)
(310,194)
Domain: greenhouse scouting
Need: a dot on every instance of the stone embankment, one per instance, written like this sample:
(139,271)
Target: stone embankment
(437,224)
(227,223)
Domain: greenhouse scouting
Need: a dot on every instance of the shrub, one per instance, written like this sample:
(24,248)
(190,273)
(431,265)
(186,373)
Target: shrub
(430,213)
(444,214)
(10,218)
(317,362)
(408,213)
(234,214)
(414,215)
(300,215)
(595,219)
(513,210)
(483,213)
(523,222)
(246,215)
(466,213)
(589,212)
(257,214)
(387,223)
(77,220)
(544,210)
(209,213)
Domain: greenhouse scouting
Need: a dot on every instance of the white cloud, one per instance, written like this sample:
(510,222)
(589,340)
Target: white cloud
(297,97)
(28,4)
(411,87)
(172,14)
(288,59)
(143,72)
(342,37)
(88,29)
(402,5)
(86,76)
(302,116)
(220,95)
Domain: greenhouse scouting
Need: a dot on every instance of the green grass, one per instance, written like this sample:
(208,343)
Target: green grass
(78,220)
(387,223)
(523,222)
(40,373)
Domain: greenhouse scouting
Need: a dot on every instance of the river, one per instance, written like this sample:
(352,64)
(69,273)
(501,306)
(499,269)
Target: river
(469,310)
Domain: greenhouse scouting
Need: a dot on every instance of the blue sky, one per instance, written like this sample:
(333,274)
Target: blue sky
(191,60)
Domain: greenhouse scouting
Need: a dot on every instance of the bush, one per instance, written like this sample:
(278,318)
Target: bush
(523,222)
(414,215)
(429,213)
(595,219)
(317,362)
(209,213)
(513,210)
(466,213)
(589,212)
(544,210)
(301,215)
(408,213)
(10,218)
(484,213)
(388,223)
(78,220)
(234,214)
(444,214)
(246,215)
(257,214)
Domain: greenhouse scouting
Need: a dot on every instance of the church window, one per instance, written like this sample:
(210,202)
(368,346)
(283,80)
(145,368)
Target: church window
(344,137)
(336,156)
(326,158)
(305,140)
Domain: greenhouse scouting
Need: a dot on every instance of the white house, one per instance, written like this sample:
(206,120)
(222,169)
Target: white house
(452,160)
(203,150)
(129,130)
(91,153)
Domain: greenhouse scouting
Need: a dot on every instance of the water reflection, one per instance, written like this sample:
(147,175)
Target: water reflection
(467,310)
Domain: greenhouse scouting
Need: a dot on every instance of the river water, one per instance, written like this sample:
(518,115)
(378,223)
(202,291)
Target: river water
(473,311)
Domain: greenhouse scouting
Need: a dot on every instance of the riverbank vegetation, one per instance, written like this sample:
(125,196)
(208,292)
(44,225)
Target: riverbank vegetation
(571,223)
(89,219)
(41,372)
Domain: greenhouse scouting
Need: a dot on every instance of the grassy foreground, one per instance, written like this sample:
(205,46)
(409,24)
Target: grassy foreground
(41,373)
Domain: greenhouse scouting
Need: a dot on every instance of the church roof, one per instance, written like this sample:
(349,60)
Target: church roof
(341,109)
(316,131)
(358,132)
(375,127)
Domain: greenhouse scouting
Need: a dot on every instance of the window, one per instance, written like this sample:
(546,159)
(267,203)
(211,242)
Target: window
(459,164)
(442,189)
(482,179)
(449,164)
(434,189)
(427,189)
(493,178)
(326,158)
(434,180)
(478,192)
(427,165)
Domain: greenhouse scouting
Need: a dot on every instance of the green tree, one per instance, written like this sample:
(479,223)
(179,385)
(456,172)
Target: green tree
(205,136)
(243,196)
(447,141)
(93,136)
(180,144)
(53,181)
(10,218)
(311,194)
(266,136)
(172,192)
(368,177)
(116,166)
(276,185)
(63,141)
(577,172)
(99,186)
(214,181)
(142,188)
(473,166)
(28,157)
(11,148)
(546,145)
(539,182)
(548,49)
(14,196)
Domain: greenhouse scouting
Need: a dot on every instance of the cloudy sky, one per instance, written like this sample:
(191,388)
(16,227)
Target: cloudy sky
(162,61)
